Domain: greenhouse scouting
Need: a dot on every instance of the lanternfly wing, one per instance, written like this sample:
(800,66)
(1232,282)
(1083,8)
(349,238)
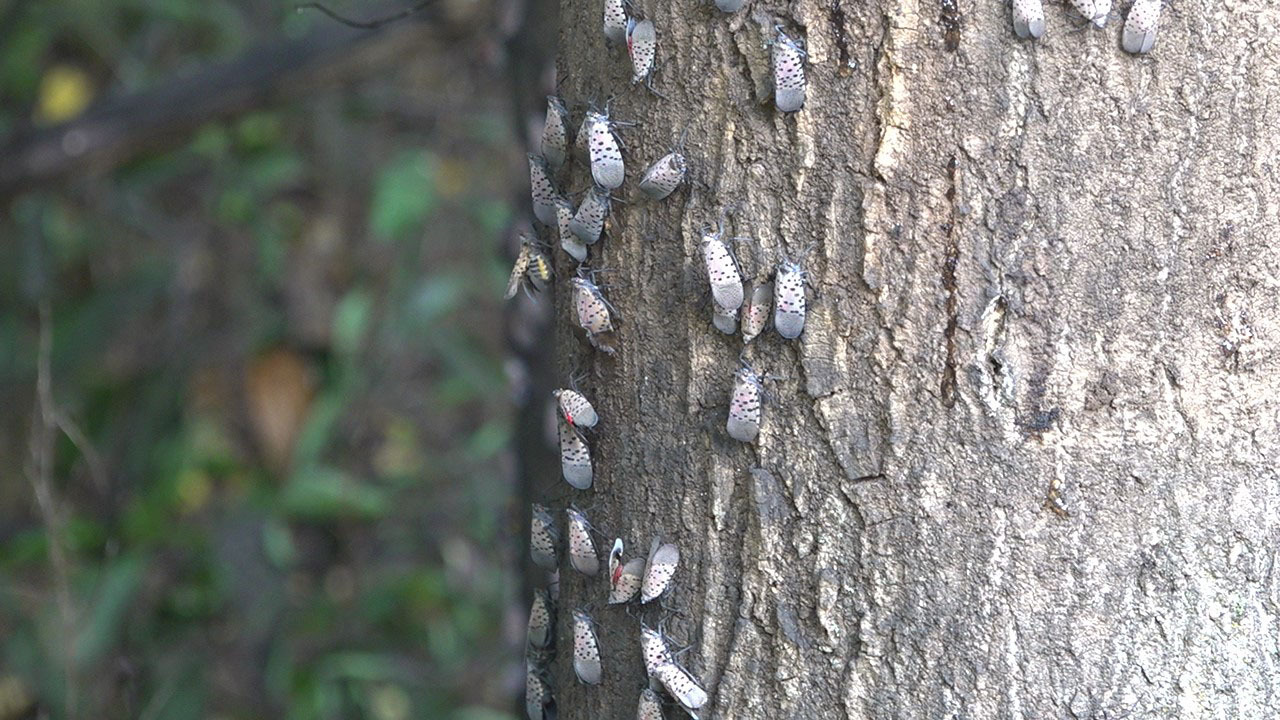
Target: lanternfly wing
(722,272)
(586,649)
(650,707)
(569,242)
(593,312)
(606,155)
(653,648)
(540,619)
(744,406)
(575,456)
(659,571)
(788,74)
(1028,18)
(759,307)
(1140,26)
(544,191)
(582,549)
(555,132)
(664,176)
(588,222)
(518,272)
(642,44)
(681,686)
(789,303)
(542,540)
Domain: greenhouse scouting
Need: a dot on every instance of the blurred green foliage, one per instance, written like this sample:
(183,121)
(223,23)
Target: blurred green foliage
(280,342)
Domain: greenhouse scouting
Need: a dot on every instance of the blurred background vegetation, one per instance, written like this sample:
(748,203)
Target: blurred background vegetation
(271,475)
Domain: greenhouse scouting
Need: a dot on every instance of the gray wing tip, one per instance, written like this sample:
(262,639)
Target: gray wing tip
(1029,30)
(742,431)
(578,476)
(1138,42)
(789,100)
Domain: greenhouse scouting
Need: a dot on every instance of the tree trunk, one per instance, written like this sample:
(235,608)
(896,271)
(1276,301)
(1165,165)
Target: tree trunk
(1021,463)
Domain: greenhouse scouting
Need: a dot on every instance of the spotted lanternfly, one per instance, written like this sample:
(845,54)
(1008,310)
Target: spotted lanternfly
(593,311)
(575,408)
(681,686)
(654,649)
(568,241)
(650,707)
(756,314)
(542,537)
(1140,26)
(606,155)
(544,191)
(625,581)
(540,619)
(730,5)
(642,46)
(788,302)
(726,321)
(1095,11)
(582,550)
(588,222)
(1028,18)
(615,21)
(518,271)
(664,176)
(586,649)
(538,702)
(788,73)
(744,405)
(722,272)
(575,456)
(658,572)
(555,133)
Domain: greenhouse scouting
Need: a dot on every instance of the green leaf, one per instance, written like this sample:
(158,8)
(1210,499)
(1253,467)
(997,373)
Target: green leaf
(325,493)
(403,196)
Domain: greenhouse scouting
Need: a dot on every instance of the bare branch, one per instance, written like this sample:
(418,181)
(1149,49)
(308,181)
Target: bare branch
(370,24)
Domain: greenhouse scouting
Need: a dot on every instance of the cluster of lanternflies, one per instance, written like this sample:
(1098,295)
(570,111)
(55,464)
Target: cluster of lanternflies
(1139,33)
(649,577)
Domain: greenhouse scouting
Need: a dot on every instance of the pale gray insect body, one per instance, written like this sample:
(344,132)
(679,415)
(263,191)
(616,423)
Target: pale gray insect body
(582,549)
(653,648)
(650,707)
(538,702)
(583,138)
(788,300)
(555,133)
(788,73)
(722,272)
(569,242)
(757,312)
(586,649)
(544,191)
(730,5)
(588,222)
(658,572)
(642,46)
(626,581)
(1140,26)
(744,406)
(575,408)
(1028,18)
(542,540)
(1095,11)
(664,176)
(615,21)
(606,154)
(540,619)
(575,456)
(593,311)
(681,686)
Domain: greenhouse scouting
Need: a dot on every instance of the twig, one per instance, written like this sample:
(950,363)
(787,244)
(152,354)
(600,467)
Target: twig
(368,25)
(40,473)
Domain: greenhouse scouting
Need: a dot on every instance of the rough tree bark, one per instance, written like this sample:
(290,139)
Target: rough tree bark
(1022,463)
